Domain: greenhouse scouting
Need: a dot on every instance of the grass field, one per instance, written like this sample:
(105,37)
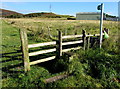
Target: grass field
(90,68)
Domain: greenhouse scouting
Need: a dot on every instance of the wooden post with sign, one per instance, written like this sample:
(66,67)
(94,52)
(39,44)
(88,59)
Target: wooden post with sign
(101,7)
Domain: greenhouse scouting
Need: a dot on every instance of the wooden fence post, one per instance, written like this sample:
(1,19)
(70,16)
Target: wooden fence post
(60,44)
(24,43)
(88,41)
(84,39)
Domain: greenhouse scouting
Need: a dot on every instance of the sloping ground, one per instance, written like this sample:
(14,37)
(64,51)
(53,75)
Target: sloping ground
(4,12)
(10,48)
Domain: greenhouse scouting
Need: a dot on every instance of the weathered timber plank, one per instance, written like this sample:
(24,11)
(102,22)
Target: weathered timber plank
(97,34)
(42,52)
(76,48)
(42,60)
(41,44)
(53,79)
(93,35)
(71,36)
(24,43)
(72,42)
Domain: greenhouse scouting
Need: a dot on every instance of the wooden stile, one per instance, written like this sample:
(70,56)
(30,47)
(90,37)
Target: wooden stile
(24,42)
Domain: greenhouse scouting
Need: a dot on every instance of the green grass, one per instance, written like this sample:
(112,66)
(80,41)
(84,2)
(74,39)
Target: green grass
(10,36)
(92,68)
(10,46)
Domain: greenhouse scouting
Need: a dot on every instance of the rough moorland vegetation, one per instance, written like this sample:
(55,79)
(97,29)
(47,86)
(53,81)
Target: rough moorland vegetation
(93,68)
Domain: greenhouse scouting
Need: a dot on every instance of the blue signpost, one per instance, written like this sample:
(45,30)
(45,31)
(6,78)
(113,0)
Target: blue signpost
(101,7)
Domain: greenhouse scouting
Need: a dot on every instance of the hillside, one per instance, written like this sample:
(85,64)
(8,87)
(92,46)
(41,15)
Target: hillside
(13,14)
(4,12)
(42,14)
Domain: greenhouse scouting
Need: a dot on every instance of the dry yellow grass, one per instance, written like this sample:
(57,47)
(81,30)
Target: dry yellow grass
(38,24)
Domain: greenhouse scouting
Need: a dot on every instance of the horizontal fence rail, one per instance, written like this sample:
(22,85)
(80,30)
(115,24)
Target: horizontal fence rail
(75,48)
(42,52)
(97,34)
(93,35)
(42,60)
(78,36)
(72,42)
(41,44)
(89,35)
(71,36)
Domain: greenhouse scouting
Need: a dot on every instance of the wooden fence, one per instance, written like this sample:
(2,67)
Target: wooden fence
(85,40)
